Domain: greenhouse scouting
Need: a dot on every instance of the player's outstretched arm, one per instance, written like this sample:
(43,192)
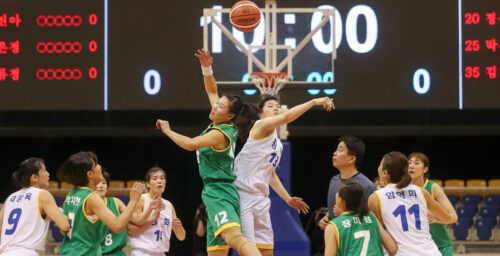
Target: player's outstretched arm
(213,138)
(331,240)
(295,202)
(439,213)
(179,231)
(208,77)
(268,125)
(95,205)
(49,206)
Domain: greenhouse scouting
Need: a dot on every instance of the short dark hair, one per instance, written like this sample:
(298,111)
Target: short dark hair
(22,176)
(354,196)
(152,170)
(425,160)
(355,147)
(265,98)
(396,165)
(74,169)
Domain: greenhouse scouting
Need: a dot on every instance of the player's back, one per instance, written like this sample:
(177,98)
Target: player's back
(23,226)
(358,236)
(404,213)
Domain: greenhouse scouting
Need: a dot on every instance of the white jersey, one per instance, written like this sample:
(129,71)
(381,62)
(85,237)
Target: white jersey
(157,237)
(23,226)
(255,163)
(404,213)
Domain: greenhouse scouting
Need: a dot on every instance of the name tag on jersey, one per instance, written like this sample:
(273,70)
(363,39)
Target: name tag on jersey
(356,220)
(74,200)
(19,198)
(401,194)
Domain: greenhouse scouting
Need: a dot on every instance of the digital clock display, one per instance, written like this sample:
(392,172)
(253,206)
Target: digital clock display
(126,55)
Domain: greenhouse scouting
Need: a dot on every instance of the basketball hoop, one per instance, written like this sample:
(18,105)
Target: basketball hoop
(269,83)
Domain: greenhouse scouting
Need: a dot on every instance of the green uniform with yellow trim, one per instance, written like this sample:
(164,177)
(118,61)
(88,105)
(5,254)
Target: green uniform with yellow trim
(438,231)
(356,236)
(113,242)
(84,237)
(219,194)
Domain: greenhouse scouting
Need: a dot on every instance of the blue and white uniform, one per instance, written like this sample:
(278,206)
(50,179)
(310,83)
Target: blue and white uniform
(254,167)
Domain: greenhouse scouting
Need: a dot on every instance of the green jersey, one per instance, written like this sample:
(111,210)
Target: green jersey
(356,236)
(84,237)
(219,194)
(113,242)
(438,231)
(217,165)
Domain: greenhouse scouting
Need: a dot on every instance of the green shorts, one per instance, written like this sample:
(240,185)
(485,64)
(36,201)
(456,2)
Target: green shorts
(447,250)
(223,211)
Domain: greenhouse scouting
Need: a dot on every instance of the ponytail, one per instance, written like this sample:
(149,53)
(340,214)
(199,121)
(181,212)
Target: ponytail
(353,195)
(17,179)
(396,165)
(245,115)
(22,176)
(362,208)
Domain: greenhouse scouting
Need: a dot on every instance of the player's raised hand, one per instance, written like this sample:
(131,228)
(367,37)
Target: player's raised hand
(136,191)
(204,57)
(325,102)
(323,222)
(157,204)
(162,125)
(298,204)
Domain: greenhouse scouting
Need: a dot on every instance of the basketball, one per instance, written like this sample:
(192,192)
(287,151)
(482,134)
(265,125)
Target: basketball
(245,16)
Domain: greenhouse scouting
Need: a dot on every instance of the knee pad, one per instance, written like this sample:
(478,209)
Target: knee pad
(234,238)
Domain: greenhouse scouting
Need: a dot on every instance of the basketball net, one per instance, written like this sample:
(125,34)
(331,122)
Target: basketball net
(269,83)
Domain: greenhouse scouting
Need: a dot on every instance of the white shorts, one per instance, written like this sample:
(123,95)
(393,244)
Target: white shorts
(256,220)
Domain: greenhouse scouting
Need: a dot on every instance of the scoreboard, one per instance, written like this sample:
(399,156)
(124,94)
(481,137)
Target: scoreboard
(133,55)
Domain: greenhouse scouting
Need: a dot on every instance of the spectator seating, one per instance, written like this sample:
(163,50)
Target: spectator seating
(471,200)
(438,181)
(494,183)
(55,232)
(59,201)
(115,184)
(454,183)
(479,183)
(467,211)
(65,185)
(489,211)
(461,228)
(125,198)
(492,199)
(484,228)
(453,199)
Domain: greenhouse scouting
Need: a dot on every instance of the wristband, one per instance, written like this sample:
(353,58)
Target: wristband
(207,71)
